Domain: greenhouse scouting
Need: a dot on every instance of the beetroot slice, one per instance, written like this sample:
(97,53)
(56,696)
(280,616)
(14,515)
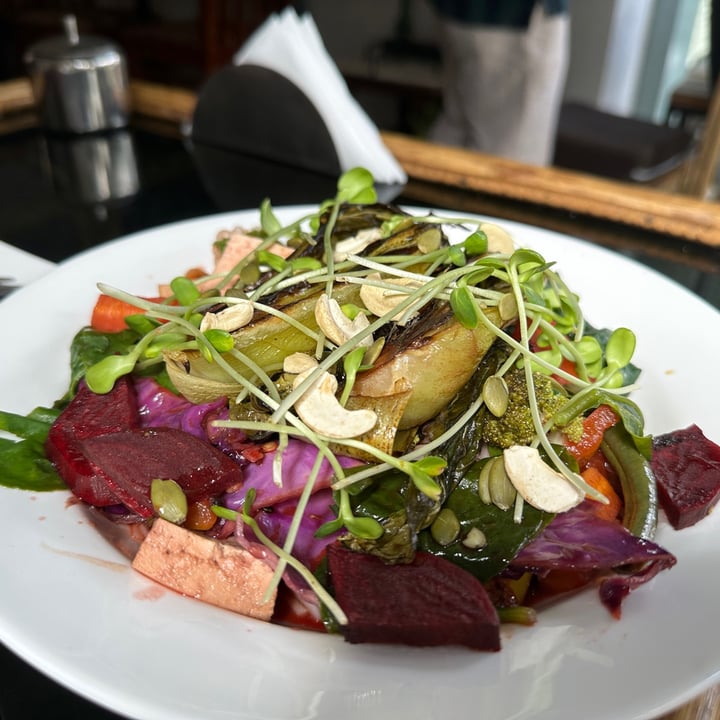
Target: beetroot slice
(87,415)
(427,602)
(687,471)
(131,459)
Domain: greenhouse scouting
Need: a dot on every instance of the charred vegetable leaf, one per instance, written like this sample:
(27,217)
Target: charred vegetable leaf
(397,504)
(394,501)
(462,449)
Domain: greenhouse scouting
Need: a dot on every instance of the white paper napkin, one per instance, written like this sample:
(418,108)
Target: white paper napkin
(292,46)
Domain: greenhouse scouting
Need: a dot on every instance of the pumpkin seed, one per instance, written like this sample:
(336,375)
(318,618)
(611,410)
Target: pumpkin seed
(169,500)
(495,395)
(502,491)
(429,240)
(484,481)
(445,527)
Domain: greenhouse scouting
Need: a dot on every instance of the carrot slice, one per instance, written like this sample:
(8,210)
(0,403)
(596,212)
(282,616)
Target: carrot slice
(593,477)
(195,272)
(109,313)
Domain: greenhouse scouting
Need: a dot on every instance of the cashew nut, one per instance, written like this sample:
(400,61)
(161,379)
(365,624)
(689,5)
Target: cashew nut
(233,317)
(538,484)
(382,300)
(356,243)
(336,325)
(498,238)
(320,410)
(299,362)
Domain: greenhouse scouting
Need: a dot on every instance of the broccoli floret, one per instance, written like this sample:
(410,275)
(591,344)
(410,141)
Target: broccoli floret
(515,426)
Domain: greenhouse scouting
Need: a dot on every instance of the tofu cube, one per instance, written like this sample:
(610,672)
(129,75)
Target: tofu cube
(215,572)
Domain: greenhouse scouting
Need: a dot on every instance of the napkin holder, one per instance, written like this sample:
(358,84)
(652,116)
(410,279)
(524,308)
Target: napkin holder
(256,112)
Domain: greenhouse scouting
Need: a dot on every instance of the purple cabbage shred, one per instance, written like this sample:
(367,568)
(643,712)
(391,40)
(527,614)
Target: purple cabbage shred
(580,541)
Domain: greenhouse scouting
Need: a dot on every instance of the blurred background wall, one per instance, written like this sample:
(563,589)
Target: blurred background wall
(627,56)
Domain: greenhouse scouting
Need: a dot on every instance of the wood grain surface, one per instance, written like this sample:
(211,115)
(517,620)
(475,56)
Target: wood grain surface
(632,205)
(704,707)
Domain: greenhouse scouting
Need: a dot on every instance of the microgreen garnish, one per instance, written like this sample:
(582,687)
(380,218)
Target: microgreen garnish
(363,527)
(184,290)
(268,221)
(273,261)
(141,324)
(303,264)
(475,244)
(423,473)
(393,224)
(221,340)
(456,256)
(464,307)
(101,377)
(352,363)
(356,186)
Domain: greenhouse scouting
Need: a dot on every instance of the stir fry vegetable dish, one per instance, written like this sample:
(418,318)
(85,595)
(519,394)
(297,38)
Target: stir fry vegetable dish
(395,427)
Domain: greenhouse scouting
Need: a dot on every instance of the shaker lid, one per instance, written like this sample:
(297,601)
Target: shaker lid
(71,46)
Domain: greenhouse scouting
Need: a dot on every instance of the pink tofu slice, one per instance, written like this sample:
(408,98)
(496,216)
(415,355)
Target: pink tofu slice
(205,569)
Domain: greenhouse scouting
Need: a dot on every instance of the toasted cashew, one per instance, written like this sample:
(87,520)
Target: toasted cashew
(336,325)
(381,300)
(356,243)
(320,410)
(233,317)
(540,485)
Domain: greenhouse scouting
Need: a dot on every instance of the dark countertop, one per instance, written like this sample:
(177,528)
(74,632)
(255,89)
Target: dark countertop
(45,209)
(47,192)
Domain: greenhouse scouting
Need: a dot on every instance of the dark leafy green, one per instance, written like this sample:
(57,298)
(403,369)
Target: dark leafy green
(89,347)
(504,536)
(23,461)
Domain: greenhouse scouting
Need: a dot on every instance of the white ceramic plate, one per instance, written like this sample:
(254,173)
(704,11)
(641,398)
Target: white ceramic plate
(71,606)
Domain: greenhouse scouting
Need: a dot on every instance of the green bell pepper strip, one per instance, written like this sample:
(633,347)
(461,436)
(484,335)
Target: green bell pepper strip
(637,480)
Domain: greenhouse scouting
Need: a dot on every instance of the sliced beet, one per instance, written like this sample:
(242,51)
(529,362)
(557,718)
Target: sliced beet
(687,470)
(427,602)
(131,459)
(88,415)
